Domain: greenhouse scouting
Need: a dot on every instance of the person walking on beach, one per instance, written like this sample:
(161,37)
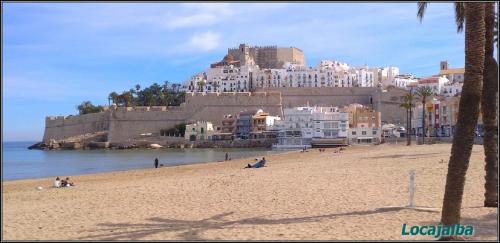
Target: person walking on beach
(156,163)
(227,156)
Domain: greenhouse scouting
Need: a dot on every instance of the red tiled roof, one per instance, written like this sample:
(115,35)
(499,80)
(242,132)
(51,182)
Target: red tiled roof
(428,80)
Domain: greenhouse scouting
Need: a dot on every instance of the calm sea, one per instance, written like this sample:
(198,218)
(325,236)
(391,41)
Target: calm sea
(21,163)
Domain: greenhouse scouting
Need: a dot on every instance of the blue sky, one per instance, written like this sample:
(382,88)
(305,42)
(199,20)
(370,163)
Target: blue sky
(56,55)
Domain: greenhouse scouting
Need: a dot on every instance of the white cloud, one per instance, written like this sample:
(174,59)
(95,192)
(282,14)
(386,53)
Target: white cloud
(203,19)
(204,42)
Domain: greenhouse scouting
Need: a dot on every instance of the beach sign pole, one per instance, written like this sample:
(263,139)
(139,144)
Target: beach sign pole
(411,204)
(412,189)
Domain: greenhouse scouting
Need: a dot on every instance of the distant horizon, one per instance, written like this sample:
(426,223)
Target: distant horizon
(57,55)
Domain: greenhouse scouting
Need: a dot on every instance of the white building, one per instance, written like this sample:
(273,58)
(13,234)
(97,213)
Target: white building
(330,123)
(326,74)
(451,89)
(403,80)
(295,129)
(197,83)
(229,78)
(331,127)
(201,130)
(436,83)
(304,126)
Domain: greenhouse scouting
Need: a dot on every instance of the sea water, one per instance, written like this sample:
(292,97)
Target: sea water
(18,162)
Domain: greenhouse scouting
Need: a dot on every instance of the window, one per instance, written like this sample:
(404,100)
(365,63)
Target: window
(374,132)
(363,133)
(353,133)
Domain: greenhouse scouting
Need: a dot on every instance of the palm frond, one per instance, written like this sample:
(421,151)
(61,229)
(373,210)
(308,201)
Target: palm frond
(459,16)
(421,10)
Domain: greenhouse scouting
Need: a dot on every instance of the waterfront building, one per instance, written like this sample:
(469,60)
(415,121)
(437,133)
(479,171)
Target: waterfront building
(364,125)
(200,130)
(295,130)
(227,130)
(261,122)
(441,117)
(244,124)
(330,127)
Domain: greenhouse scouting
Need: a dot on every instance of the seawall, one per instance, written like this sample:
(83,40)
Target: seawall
(127,123)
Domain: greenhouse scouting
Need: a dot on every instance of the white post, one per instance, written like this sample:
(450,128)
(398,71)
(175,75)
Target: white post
(412,189)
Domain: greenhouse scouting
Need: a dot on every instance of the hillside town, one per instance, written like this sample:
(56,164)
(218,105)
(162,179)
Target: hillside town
(244,69)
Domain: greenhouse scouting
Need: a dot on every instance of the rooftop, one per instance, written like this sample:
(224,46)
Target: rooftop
(452,71)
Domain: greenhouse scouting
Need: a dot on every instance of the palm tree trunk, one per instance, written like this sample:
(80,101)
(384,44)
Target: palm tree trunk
(468,113)
(408,127)
(423,122)
(489,112)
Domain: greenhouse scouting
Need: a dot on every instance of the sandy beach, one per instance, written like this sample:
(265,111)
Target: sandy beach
(297,196)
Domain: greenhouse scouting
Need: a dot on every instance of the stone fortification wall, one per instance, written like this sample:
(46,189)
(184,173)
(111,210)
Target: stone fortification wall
(125,123)
(324,96)
(128,123)
(60,127)
(132,122)
(387,103)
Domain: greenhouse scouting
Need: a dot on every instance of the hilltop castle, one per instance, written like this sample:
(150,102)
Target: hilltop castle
(266,56)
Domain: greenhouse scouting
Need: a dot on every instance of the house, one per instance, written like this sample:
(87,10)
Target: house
(201,130)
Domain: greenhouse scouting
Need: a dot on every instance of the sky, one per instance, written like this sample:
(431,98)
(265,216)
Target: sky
(56,55)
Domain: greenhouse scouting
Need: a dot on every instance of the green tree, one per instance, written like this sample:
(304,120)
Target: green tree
(127,98)
(87,107)
(474,13)
(113,96)
(424,92)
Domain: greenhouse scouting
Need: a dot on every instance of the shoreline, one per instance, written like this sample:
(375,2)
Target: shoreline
(296,196)
(249,158)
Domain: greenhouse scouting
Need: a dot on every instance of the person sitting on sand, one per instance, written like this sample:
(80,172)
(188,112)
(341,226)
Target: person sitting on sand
(68,183)
(63,183)
(259,164)
(250,166)
(57,183)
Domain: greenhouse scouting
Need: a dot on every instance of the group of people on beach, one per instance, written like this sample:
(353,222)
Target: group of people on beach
(58,183)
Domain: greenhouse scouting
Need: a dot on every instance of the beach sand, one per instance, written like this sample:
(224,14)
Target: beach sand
(297,196)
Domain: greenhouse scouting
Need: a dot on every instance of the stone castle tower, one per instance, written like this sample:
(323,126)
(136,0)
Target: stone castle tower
(266,56)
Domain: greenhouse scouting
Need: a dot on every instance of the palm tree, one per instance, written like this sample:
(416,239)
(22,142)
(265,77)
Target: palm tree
(468,109)
(407,103)
(489,101)
(423,92)
(148,97)
(489,110)
(113,96)
(127,98)
(137,87)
